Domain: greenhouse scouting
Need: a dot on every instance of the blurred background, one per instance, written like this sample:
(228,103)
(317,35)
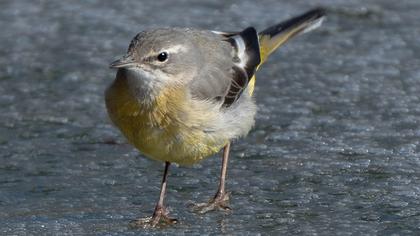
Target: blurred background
(335,148)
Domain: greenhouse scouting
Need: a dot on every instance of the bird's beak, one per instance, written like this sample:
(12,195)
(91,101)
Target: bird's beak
(125,62)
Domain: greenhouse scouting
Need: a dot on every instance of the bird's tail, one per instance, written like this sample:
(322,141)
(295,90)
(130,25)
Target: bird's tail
(275,36)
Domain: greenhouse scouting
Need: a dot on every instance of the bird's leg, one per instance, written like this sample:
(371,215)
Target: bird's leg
(160,215)
(220,200)
(221,194)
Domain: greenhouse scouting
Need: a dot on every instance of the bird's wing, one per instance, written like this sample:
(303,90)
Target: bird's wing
(233,73)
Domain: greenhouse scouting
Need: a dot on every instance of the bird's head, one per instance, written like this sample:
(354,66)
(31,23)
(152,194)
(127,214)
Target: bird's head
(159,59)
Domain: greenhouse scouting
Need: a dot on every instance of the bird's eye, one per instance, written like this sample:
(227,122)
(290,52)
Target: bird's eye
(163,56)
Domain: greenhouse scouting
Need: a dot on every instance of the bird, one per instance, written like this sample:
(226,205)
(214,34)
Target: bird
(182,94)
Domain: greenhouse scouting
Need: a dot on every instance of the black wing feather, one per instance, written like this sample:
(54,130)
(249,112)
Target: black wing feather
(246,60)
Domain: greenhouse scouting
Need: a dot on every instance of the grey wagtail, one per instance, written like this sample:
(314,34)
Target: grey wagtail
(182,94)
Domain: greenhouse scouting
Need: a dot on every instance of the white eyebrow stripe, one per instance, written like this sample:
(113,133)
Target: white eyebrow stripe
(176,49)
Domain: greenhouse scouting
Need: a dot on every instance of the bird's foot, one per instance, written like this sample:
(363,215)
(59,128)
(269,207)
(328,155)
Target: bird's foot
(219,202)
(160,218)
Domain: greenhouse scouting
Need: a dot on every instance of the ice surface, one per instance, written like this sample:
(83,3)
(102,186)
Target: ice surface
(335,149)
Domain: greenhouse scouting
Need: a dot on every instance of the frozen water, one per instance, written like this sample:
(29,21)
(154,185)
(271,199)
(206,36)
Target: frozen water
(335,149)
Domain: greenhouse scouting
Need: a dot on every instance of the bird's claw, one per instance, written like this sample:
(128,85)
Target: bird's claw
(160,218)
(220,201)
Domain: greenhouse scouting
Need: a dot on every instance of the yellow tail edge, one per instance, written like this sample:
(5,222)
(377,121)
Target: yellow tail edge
(275,36)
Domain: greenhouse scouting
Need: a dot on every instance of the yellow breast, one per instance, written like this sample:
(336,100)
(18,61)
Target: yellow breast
(165,129)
